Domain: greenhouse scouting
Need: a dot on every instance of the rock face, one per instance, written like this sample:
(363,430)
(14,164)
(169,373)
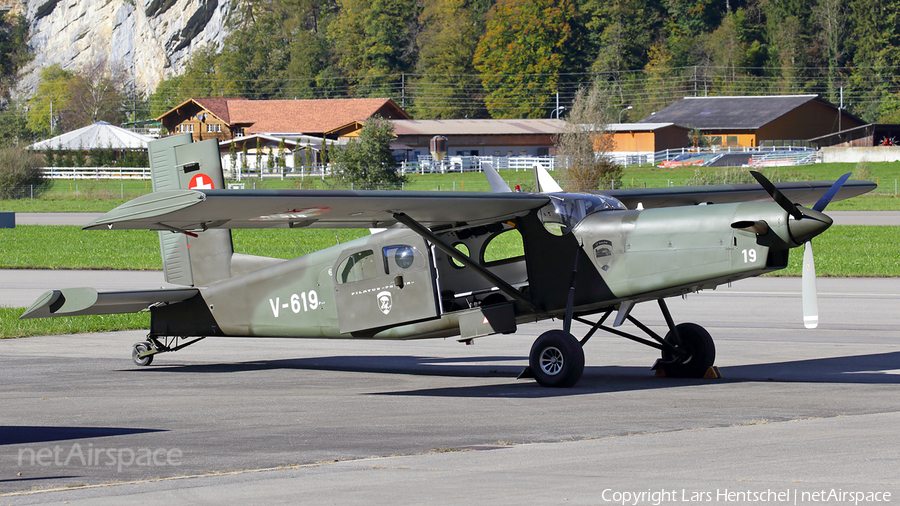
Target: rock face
(147,39)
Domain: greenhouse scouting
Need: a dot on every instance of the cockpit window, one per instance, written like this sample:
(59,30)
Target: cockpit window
(398,258)
(566,210)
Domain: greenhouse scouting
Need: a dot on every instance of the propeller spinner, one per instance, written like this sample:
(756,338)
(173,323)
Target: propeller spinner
(806,224)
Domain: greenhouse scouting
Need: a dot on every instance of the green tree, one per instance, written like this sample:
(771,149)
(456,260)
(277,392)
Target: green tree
(20,174)
(14,125)
(622,31)
(14,52)
(51,97)
(367,163)
(875,43)
(375,41)
(448,86)
(528,48)
(202,77)
(789,38)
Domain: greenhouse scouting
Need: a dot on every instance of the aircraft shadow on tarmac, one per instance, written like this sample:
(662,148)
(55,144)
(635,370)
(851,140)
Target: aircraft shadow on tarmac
(22,434)
(881,368)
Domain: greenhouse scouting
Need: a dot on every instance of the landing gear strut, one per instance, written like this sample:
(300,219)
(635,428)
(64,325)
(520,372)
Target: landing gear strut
(142,353)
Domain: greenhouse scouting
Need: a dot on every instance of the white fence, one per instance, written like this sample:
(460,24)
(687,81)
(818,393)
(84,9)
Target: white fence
(96,172)
(473,163)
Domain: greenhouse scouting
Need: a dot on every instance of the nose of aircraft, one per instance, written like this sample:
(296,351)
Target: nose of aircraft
(810,225)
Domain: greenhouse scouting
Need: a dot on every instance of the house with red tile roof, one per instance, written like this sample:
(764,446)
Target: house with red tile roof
(227,118)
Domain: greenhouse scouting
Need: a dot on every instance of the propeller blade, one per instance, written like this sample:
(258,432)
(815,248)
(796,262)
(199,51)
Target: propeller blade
(810,297)
(777,196)
(825,199)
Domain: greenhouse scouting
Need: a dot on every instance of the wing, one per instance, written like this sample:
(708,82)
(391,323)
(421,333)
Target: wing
(185,210)
(803,193)
(87,301)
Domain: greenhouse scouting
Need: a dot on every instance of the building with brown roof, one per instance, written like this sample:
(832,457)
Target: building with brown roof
(757,120)
(227,118)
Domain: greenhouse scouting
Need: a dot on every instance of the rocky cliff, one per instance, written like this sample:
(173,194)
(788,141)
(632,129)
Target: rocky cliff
(147,39)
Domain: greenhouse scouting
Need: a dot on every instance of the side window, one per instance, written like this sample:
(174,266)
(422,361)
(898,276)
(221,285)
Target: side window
(401,257)
(357,267)
(506,245)
(464,250)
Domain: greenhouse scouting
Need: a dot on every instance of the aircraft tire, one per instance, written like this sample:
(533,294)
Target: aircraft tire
(138,349)
(556,359)
(701,352)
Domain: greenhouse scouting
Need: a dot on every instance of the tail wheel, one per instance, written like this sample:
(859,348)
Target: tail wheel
(556,359)
(698,352)
(136,352)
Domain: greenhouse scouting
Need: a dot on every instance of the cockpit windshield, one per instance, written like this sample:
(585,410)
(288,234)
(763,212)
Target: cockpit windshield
(567,209)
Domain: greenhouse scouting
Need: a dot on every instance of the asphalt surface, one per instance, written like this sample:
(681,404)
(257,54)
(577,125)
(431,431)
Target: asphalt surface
(799,417)
(81,219)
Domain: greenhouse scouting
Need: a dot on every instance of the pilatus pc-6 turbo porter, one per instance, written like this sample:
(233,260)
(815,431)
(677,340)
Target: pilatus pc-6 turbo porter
(433,273)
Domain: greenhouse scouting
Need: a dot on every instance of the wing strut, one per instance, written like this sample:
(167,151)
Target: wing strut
(465,260)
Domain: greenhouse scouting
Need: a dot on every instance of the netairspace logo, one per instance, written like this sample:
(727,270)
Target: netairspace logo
(725,496)
(88,456)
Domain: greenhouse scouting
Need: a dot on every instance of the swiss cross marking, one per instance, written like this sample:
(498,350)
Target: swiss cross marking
(201,182)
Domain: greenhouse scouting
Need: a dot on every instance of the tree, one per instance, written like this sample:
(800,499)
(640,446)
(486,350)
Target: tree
(876,46)
(368,163)
(52,96)
(375,43)
(789,38)
(527,49)
(620,32)
(20,174)
(202,77)
(448,86)
(13,125)
(585,142)
(14,53)
(831,18)
(95,94)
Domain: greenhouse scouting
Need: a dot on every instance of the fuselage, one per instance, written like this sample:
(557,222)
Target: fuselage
(396,285)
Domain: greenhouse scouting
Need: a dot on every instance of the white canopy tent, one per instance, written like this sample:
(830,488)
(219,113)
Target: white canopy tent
(100,135)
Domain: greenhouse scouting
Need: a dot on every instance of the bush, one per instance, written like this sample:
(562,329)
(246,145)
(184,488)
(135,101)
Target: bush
(20,174)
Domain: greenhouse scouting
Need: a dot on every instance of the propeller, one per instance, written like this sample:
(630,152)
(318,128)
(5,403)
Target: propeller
(807,224)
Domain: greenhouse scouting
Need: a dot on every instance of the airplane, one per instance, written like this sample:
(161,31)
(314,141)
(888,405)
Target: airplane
(440,265)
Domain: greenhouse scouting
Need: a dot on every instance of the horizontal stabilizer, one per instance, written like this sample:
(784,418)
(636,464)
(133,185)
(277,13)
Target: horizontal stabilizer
(87,301)
(152,205)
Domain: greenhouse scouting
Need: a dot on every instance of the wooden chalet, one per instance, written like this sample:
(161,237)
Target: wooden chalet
(225,119)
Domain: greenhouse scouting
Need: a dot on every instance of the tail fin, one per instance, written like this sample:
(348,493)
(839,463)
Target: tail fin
(177,163)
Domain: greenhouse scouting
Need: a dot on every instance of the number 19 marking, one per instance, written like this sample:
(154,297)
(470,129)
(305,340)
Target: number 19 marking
(749,255)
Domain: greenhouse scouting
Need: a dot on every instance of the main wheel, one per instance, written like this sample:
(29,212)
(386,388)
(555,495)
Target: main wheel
(699,352)
(556,359)
(137,350)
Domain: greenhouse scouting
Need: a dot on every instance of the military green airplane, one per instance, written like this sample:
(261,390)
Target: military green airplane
(440,268)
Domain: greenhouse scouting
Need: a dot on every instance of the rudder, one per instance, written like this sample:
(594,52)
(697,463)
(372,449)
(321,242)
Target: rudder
(177,163)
